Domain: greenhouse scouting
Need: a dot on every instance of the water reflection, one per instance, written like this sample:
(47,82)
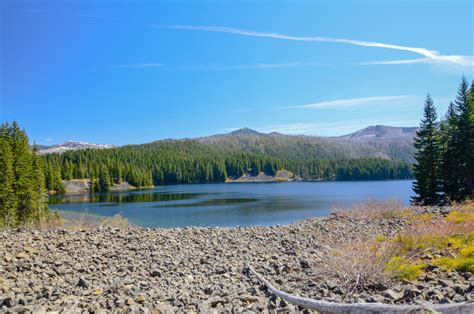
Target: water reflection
(212,202)
(124,197)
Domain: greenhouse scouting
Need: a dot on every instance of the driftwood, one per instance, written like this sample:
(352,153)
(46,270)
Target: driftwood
(333,307)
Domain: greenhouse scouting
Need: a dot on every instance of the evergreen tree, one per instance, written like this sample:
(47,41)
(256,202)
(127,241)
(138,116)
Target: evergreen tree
(448,170)
(471,137)
(8,202)
(427,184)
(22,182)
(463,143)
(40,207)
(457,147)
(22,168)
(92,185)
(104,180)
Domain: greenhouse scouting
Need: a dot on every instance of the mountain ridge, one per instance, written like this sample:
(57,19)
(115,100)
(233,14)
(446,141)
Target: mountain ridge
(375,141)
(381,131)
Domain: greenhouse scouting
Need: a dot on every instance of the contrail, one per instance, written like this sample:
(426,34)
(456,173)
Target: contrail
(430,55)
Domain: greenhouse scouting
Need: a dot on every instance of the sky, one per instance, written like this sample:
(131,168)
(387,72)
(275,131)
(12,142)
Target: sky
(132,72)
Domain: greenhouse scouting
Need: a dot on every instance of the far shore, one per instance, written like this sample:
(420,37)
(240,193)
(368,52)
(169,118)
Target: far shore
(86,191)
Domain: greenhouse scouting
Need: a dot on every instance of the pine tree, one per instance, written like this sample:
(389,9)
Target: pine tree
(92,185)
(8,202)
(448,170)
(457,146)
(427,184)
(22,168)
(471,137)
(22,182)
(104,180)
(40,207)
(463,144)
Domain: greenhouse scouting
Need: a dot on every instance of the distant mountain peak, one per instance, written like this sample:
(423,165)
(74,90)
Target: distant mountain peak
(382,131)
(245,132)
(72,145)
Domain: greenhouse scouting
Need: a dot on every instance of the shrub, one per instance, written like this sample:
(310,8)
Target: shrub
(402,268)
(460,216)
(468,251)
(424,217)
(455,263)
(359,265)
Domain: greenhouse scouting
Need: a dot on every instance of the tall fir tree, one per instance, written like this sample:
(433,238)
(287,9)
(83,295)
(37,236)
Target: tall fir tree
(23,197)
(22,168)
(40,207)
(470,115)
(461,144)
(104,179)
(427,185)
(8,202)
(448,138)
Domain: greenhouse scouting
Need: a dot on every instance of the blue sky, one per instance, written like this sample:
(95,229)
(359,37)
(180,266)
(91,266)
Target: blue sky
(116,72)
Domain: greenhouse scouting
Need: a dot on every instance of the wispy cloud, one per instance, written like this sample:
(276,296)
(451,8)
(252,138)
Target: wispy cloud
(402,61)
(466,61)
(432,55)
(248,66)
(258,66)
(342,103)
(139,65)
(48,139)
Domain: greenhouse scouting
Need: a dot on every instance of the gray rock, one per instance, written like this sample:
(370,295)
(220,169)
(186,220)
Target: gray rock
(9,302)
(155,273)
(445,283)
(82,283)
(460,288)
(199,269)
(392,295)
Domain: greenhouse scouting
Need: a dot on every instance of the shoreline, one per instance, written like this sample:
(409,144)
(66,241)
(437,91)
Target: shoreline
(219,183)
(201,269)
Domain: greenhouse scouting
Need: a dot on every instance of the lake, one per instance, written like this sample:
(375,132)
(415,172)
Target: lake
(226,205)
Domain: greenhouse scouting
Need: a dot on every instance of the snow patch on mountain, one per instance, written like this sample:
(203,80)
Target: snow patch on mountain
(72,145)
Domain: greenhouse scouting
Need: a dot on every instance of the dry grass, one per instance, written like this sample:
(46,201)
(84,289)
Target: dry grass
(466,205)
(116,222)
(49,222)
(436,233)
(373,209)
(360,265)
(79,221)
(91,222)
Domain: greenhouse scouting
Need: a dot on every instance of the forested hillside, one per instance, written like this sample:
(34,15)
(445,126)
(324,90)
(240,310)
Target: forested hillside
(312,147)
(213,159)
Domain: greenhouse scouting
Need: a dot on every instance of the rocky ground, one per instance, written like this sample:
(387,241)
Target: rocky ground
(195,269)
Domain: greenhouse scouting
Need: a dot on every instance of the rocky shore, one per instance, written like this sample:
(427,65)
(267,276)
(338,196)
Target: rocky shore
(197,269)
(280,176)
(83,186)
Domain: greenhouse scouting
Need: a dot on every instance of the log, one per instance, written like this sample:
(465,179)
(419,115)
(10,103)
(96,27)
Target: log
(334,307)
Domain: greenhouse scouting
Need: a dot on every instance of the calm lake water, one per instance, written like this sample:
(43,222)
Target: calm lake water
(246,204)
